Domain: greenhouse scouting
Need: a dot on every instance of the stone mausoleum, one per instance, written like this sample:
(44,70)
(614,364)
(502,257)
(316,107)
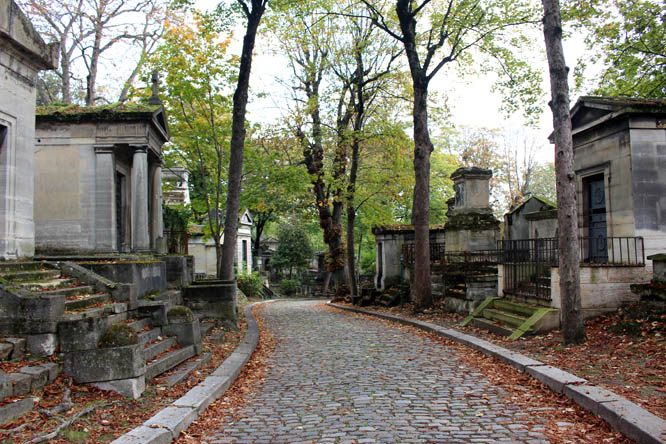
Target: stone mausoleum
(23,54)
(98,184)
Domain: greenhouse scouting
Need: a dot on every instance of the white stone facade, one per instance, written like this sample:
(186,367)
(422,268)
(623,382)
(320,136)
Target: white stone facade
(22,55)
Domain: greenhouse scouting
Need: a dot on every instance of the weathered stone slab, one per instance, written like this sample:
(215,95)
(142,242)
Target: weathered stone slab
(634,421)
(39,375)
(15,409)
(187,368)
(5,386)
(42,344)
(5,351)
(203,395)
(21,383)
(145,435)
(589,396)
(174,419)
(553,377)
(53,369)
(105,364)
(82,334)
(131,387)
(18,351)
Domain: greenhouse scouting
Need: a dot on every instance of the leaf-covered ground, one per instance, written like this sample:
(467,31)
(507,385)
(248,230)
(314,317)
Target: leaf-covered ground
(625,351)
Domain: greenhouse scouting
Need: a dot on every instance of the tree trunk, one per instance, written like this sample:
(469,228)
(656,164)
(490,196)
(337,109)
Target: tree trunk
(91,81)
(567,214)
(421,285)
(232,206)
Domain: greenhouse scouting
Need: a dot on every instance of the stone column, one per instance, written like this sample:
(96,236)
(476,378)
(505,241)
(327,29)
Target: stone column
(156,222)
(140,201)
(105,202)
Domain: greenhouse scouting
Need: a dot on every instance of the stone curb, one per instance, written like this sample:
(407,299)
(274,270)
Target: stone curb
(167,424)
(624,416)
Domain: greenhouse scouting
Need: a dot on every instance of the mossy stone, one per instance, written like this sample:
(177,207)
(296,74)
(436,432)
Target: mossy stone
(180,314)
(118,335)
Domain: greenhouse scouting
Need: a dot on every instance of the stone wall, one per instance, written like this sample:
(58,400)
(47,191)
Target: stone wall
(603,289)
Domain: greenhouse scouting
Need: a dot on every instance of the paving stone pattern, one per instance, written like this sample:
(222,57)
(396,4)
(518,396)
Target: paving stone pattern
(338,378)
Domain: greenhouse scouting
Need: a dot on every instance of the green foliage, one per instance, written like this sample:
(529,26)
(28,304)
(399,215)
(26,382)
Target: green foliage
(294,250)
(289,287)
(250,284)
(176,218)
(627,38)
(118,335)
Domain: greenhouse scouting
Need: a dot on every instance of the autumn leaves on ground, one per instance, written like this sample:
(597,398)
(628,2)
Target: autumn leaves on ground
(624,353)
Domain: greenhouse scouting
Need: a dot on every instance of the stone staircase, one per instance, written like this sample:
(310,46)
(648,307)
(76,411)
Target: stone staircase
(80,306)
(513,319)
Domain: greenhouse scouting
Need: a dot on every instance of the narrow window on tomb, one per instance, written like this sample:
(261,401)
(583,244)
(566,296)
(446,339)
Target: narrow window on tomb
(244,253)
(3,137)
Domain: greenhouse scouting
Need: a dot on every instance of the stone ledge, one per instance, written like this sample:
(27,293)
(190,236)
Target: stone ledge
(624,416)
(168,423)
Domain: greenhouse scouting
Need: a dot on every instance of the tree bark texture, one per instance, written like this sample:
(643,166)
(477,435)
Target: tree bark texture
(567,214)
(237,145)
(421,285)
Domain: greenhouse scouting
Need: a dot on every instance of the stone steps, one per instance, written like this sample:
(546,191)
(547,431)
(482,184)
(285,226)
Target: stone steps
(71,291)
(32,275)
(168,361)
(185,369)
(49,285)
(504,317)
(149,335)
(86,301)
(13,267)
(153,349)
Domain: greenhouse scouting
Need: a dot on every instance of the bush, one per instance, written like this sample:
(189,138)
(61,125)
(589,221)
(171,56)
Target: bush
(289,286)
(250,284)
(118,335)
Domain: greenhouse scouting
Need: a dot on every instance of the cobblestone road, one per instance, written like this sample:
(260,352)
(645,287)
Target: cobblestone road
(340,378)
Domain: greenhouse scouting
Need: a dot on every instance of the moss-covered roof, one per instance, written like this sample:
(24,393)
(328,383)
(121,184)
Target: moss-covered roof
(115,111)
(548,204)
(402,228)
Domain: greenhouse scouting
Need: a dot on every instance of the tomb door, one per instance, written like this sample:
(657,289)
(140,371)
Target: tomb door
(596,213)
(120,216)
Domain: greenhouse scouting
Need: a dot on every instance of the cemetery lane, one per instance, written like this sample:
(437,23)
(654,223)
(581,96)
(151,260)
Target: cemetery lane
(344,378)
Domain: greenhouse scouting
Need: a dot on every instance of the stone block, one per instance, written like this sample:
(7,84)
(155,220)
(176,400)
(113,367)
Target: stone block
(174,419)
(215,299)
(39,375)
(13,410)
(5,386)
(81,334)
(131,387)
(634,421)
(21,383)
(18,352)
(5,351)
(589,396)
(43,345)
(105,364)
(145,435)
(205,393)
(186,334)
(553,377)
(54,369)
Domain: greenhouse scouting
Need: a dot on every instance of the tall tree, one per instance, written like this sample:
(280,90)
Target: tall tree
(89,29)
(198,103)
(626,37)
(446,33)
(567,213)
(252,10)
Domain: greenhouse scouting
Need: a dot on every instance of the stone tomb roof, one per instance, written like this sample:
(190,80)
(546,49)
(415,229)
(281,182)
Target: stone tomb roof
(112,121)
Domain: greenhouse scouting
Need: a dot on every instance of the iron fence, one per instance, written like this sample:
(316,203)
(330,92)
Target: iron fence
(527,262)
(437,252)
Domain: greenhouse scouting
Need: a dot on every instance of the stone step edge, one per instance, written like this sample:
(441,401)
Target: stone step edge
(167,424)
(623,415)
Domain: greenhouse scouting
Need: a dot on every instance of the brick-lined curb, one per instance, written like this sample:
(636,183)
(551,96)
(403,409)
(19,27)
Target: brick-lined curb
(167,424)
(624,416)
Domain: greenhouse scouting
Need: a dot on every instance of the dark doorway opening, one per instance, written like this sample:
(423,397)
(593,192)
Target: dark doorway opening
(595,213)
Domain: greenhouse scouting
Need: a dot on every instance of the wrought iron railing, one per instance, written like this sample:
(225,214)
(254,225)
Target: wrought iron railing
(437,252)
(527,262)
